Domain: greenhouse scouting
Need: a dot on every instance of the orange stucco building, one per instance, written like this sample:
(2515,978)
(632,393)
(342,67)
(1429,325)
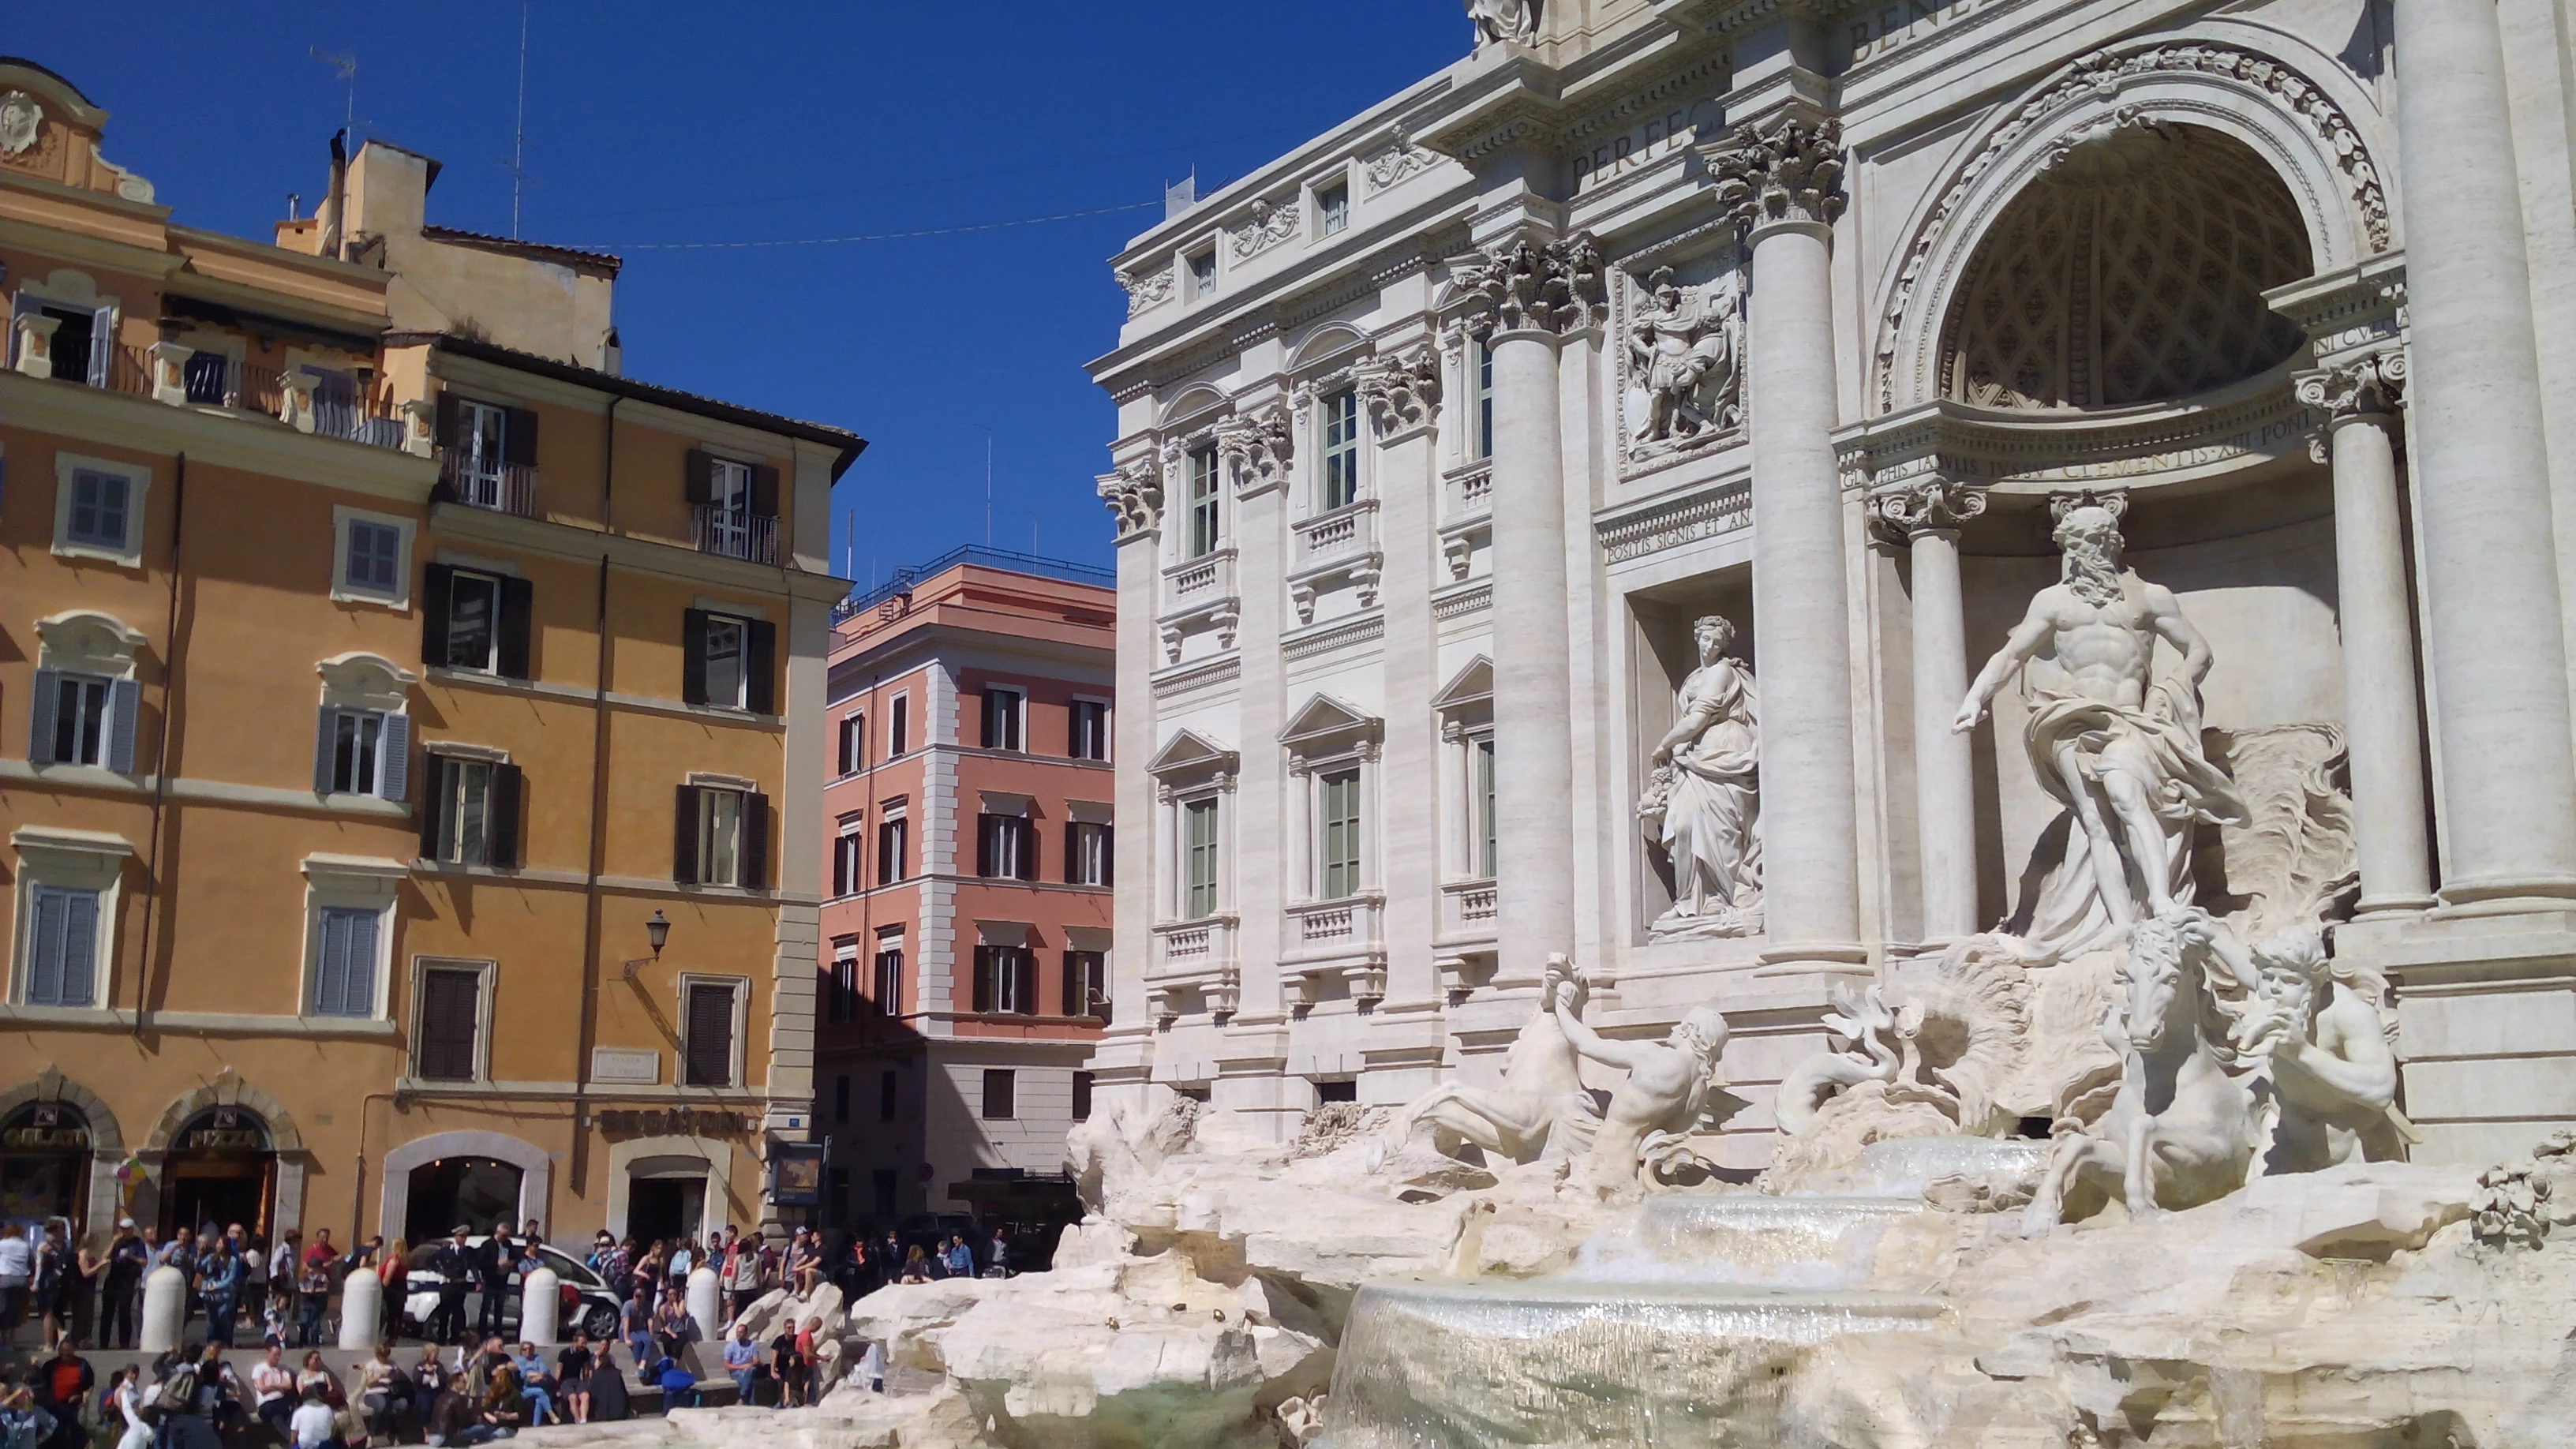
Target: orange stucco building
(373,679)
(966,845)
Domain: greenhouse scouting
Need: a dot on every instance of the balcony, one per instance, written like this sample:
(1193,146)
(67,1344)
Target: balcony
(324,403)
(493,487)
(1194,957)
(1199,592)
(1332,548)
(1344,938)
(734,533)
(1345,532)
(1468,933)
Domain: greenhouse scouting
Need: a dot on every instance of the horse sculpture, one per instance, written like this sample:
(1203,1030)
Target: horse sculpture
(2185,1126)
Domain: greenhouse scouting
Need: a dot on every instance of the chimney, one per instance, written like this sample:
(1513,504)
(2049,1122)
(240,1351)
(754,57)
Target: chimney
(338,196)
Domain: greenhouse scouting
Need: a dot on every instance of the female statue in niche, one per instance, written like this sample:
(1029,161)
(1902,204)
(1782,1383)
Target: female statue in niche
(1702,805)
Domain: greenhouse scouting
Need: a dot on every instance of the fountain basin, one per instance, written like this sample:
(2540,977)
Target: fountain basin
(1470,1363)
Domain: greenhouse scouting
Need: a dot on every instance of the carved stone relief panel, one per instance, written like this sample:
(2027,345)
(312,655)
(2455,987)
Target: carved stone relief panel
(1679,351)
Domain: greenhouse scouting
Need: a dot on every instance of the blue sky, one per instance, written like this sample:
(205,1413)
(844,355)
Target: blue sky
(666,122)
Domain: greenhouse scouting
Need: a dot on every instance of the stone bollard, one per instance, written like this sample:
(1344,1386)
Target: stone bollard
(165,1308)
(706,1304)
(362,1302)
(540,1303)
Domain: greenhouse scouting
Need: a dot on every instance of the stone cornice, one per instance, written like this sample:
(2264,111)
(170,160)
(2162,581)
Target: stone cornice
(2041,452)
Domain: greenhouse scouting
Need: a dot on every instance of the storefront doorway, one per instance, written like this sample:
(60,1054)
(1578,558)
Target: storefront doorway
(480,1192)
(666,1207)
(44,1166)
(222,1169)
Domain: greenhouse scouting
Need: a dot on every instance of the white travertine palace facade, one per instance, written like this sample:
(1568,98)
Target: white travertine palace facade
(1447,441)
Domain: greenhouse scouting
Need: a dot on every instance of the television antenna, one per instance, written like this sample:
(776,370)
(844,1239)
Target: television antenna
(347,66)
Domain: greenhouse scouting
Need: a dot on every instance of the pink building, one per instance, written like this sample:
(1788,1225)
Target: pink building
(967,847)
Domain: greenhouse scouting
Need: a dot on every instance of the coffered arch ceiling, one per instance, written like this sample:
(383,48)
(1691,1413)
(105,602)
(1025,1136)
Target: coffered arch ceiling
(2129,271)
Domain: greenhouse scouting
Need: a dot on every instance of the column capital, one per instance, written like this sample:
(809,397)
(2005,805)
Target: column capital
(1533,286)
(1935,505)
(1134,496)
(1784,173)
(1255,448)
(2370,388)
(1401,393)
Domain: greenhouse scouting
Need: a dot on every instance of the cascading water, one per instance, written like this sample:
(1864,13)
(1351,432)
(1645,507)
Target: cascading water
(1684,1328)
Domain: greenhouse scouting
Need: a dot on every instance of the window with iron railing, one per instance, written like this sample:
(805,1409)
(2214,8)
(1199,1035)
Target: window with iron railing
(487,455)
(734,508)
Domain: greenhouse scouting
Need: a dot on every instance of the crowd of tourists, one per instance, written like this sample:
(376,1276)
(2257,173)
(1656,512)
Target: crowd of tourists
(467,1385)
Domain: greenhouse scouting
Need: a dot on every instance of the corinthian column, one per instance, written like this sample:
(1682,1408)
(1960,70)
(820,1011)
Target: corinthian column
(1538,292)
(1783,182)
(2490,578)
(1123,1063)
(1927,516)
(2382,738)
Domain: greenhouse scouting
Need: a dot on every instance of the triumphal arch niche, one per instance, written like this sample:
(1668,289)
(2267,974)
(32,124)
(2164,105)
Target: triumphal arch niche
(2116,359)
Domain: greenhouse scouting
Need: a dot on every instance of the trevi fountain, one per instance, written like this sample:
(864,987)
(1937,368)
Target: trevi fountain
(1839,726)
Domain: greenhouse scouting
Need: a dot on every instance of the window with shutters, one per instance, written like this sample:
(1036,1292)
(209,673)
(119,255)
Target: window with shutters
(83,703)
(1199,859)
(472,816)
(731,661)
(899,726)
(361,750)
(1086,984)
(447,1043)
(1005,716)
(62,936)
(854,743)
(345,959)
(1089,853)
(894,846)
(473,609)
(734,507)
(1006,981)
(720,837)
(1006,847)
(371,557)
(1204,493)
(710,1013)
(74,716)
(841,1115)
(889,1097)
(1332,208)
(66,887)
(1337,801)
(1088,730)
(888,986)
(841,984)
(1341,451)
(846,877)
(1001,1094)
(98,509)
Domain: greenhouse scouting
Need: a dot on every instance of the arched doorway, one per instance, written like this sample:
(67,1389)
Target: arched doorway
(222,1169)
(479,1192)
(44,1165)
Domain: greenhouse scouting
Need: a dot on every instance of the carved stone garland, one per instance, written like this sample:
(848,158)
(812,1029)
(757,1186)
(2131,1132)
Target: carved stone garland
(1151,290)
(1255,450)
(2100,75)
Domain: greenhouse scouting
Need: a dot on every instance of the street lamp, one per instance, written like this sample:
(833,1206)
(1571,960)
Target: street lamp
(656,931)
